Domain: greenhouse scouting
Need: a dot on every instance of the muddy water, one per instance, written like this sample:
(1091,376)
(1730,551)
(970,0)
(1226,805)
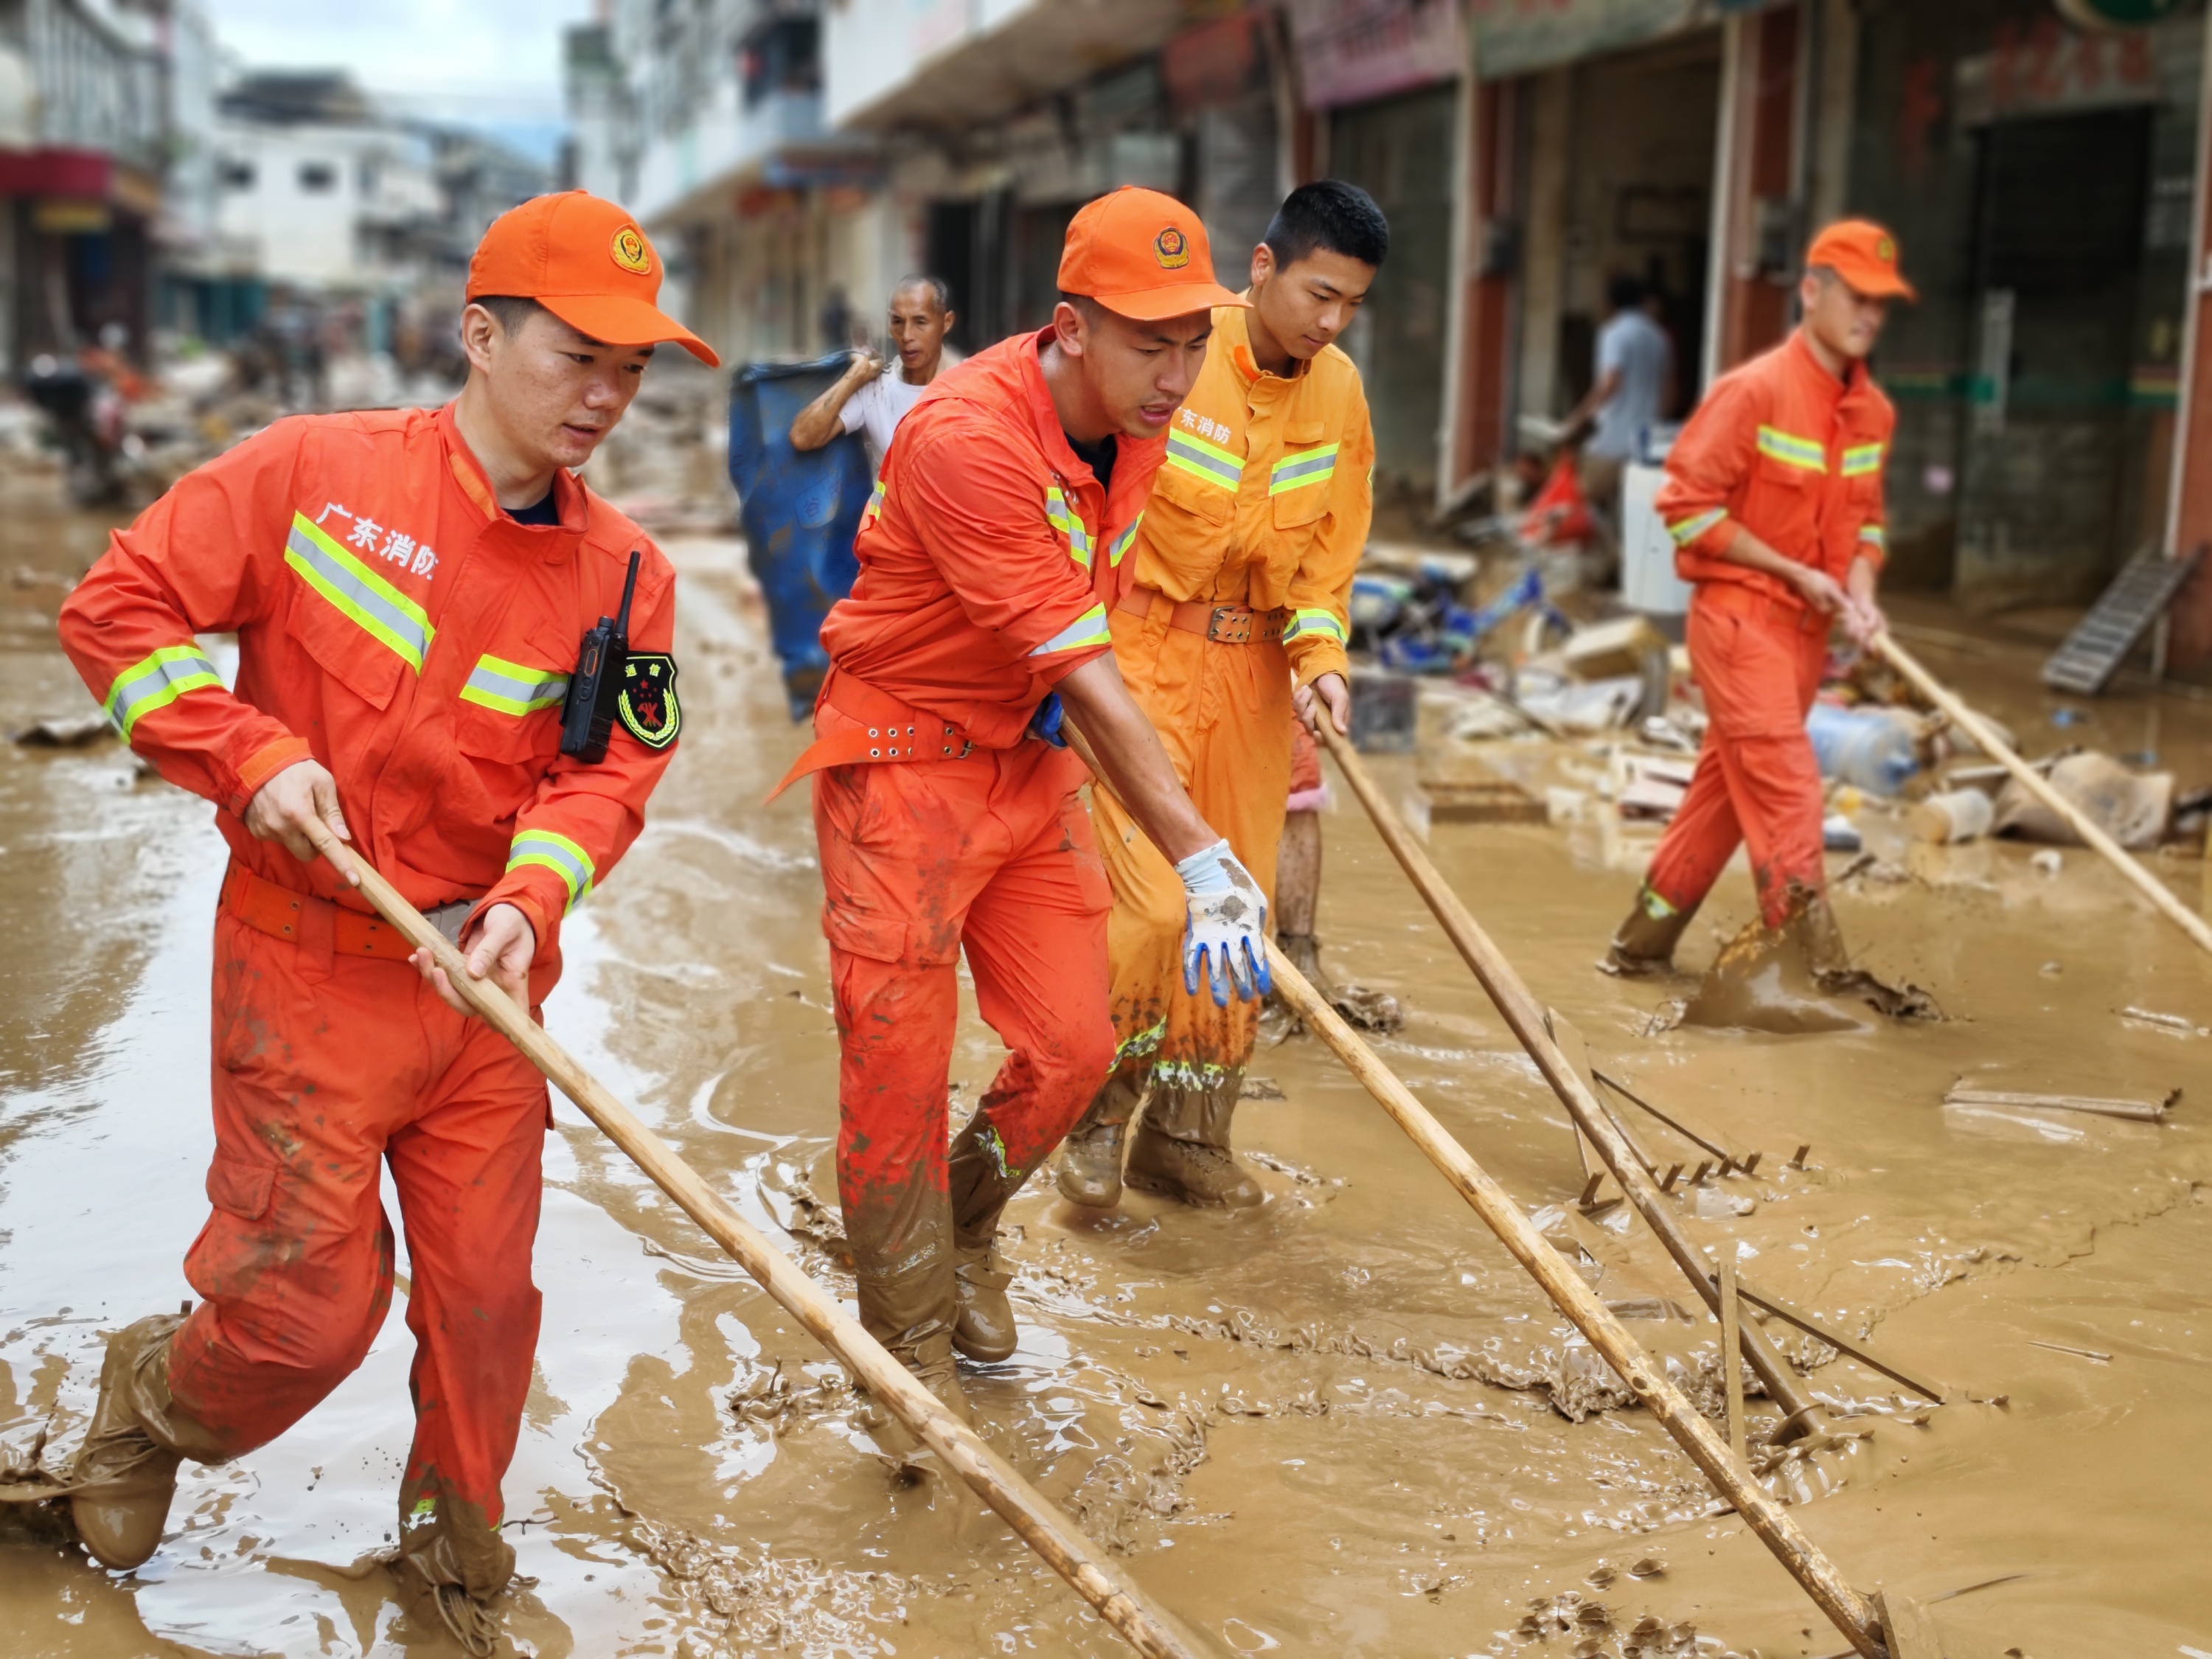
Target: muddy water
(1339,1424)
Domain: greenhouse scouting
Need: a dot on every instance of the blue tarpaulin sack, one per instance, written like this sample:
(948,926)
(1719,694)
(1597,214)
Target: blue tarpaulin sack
(800,511)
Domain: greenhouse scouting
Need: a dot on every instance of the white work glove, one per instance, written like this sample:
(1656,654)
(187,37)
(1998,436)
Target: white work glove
(1225,936)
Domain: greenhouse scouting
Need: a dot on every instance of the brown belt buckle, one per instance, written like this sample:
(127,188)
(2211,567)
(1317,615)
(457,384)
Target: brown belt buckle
(1230,624)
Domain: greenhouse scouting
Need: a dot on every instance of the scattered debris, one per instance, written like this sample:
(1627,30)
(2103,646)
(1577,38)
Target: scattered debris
(2144,1111)
(66,732)
(2102,1359)
(1499,800)
(2169,1022)
(1875,749)
(2048,861)
(2133,808)
(1955,816)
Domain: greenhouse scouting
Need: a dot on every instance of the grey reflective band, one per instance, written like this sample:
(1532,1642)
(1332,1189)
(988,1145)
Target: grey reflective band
(157,681)
(512,687)
(359,593)
(1216,466)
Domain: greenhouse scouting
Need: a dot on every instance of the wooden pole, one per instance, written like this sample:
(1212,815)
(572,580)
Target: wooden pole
(1525,1016)
(1032,1517)
(1574,1297)
(1731,1320)
(2036,785)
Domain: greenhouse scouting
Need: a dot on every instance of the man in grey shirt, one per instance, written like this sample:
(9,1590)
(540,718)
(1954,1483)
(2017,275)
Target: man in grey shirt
(1634,370)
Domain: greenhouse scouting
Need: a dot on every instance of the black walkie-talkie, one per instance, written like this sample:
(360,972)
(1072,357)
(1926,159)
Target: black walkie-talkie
(587,717)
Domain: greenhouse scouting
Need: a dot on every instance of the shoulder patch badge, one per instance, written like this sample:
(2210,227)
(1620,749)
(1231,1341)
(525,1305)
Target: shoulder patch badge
(648,705)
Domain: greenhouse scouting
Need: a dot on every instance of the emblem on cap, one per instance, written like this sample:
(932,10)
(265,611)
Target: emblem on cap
(1171,249)
(1885,250)
(631,251)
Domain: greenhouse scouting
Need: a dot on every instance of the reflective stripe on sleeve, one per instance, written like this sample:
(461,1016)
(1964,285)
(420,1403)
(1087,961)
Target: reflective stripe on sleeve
(155,682)
(1307,466)
(1861,459)
(1873,532)
(1087,630)
(559,855)
(875,506)
(1203,460)
(512,687)
(1308,624)
(1792,451)
(1686,530)
(1120,543)
(1066,521)
(381,610)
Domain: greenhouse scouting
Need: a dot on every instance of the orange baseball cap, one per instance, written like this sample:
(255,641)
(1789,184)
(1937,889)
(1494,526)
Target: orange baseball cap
(1141,255)
(1864,255)
(586,261)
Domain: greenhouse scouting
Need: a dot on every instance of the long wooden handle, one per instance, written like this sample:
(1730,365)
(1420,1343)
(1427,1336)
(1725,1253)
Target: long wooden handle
(2040,787)
(1040,1526)
(1575,1298)
(1525,1016)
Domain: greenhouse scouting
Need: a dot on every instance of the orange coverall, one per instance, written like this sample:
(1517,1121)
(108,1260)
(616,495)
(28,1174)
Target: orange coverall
(986,560)
(1261,507)
(395,626)
(1784,448)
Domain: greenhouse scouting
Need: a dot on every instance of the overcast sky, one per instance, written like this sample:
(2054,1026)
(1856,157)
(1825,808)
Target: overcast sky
(495,62)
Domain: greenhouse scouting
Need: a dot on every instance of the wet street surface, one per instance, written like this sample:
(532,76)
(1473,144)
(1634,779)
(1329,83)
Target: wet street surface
(1343,1424)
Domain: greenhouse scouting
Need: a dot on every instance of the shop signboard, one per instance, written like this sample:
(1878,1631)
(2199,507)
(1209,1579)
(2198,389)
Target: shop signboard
(1519,37)
(1351,51)
(2121,14)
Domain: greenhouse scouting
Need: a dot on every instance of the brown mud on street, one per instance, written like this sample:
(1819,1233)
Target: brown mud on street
(1344,1424)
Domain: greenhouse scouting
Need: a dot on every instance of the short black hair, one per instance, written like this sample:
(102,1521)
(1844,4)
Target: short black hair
(939,288)
(511,311)
(1332,215)
(1625,293)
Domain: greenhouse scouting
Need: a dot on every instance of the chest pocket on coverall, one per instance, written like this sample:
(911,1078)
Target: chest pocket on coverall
(510,707)
(1303,497)
(346,651)
(1182,526)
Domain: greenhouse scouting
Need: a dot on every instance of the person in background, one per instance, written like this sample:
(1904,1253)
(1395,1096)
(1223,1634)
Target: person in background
(1635,366)
(837,318)
(872,398)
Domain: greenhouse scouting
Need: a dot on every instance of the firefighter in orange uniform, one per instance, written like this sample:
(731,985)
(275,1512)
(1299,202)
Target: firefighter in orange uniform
(944,803)
(1234,603)
(1774,497)
(410,590)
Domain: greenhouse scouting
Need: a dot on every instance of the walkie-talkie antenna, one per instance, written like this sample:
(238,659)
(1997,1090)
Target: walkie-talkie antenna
(629,588)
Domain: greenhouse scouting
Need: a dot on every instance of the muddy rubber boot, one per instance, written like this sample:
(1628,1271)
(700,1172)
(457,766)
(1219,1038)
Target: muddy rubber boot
(126,1474)
(1812,922)
(910,1311)
(983,1320)
(452,1565)
(1090,1171)
(1180,1148)
(1644,944)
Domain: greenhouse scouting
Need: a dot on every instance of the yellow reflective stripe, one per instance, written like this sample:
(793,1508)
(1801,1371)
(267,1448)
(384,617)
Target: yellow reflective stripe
(556,853)
(1307,466)
(1792,451)
(1087,630)
(875,506)
(381,610)
(1861,459)
(1140,1043)
(155,682)
(1203,460)
(1120,543)
(511,687)
(1686,530)
(1066,521)
(1306,624)
(1873,532)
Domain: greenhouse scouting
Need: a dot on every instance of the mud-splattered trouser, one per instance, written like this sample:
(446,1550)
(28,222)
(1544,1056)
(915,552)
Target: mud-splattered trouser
(1757,662)
(327,1066)
(920,859)
(1223,712)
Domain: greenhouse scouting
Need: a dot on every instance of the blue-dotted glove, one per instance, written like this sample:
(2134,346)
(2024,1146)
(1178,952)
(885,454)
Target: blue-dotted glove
(1046,722)
(1226,934)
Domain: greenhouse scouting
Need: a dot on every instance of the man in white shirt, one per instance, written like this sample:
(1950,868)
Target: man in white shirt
(1635,366)
(871,398)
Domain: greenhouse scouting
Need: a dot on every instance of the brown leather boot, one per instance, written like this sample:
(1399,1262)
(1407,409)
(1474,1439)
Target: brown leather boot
(126,1474)
(1090,1171)
(1644,944)
(1181,1149)
(983,1320)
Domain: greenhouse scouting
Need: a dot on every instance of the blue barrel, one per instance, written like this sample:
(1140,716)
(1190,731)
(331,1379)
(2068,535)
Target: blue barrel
(800,512)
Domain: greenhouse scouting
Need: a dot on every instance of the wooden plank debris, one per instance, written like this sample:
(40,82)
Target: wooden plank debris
(2142,1111)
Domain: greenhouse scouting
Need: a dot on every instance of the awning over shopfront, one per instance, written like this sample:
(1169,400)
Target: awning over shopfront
(1519,37)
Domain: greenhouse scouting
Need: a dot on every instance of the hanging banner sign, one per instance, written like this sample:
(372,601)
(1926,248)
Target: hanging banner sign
(1350,50)
(1519,37)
